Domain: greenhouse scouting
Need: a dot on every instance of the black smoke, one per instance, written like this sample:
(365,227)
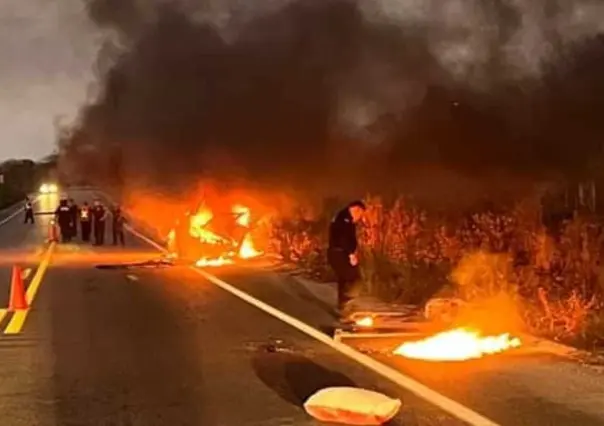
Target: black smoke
(341,95)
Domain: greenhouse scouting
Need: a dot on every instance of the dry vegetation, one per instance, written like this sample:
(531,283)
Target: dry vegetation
(553,277)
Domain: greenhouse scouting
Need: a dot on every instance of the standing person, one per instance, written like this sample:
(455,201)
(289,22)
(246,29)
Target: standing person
(85,222)
(29,211)
(342,253)
(118,226)
(73,210)
(63,217)
(99,215)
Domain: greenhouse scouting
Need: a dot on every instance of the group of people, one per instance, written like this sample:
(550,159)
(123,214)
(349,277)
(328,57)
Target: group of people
(342,252)
(91,220)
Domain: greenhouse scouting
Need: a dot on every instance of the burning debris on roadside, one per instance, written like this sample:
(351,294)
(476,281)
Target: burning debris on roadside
(210,237)
(457,345)
(453,335)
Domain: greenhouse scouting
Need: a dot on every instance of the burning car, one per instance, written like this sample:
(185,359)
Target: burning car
(209,237)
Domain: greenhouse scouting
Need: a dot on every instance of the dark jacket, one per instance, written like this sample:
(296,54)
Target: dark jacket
(99,214)
(63,215)
(73,209)
(343,233)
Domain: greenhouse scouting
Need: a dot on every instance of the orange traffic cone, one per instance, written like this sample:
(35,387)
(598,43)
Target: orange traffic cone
(52,232)
(17,291)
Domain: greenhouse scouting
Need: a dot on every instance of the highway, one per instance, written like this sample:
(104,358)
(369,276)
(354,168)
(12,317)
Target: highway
(172,347)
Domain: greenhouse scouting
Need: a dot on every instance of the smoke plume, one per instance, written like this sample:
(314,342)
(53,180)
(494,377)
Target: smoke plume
(343,94)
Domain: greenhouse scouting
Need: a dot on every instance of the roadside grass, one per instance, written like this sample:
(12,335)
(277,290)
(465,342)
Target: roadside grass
(553,279)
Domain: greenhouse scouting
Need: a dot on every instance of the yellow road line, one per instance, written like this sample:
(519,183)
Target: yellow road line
(16,323)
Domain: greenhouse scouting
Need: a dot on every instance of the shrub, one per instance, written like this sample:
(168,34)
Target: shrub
(554,278)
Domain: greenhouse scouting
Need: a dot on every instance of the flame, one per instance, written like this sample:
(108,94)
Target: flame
(200,228)
(197,227)
(243,215)
(172,243)
(247,249)
(364,322)
(457,345)
(218,261)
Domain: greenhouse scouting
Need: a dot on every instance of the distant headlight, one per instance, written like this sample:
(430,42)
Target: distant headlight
(49,188)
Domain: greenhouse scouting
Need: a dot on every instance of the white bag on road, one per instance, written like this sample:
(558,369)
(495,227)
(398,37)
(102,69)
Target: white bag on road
(351,406)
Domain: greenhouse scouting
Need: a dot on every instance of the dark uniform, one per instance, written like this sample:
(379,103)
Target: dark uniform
(63,216)
(29,212)
(99,214)
(73,210)
(85,222)
(342,244)
(118,227)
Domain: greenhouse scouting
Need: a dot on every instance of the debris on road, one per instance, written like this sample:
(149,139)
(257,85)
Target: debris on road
(352,406)
(272,345)
(153,263)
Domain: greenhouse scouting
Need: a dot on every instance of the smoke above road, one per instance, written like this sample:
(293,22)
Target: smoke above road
(339,94)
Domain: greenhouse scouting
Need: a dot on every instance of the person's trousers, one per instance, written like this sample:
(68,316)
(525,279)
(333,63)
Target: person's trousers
(86,227)
(74,229)
(118,237)
(347,276)
(99,233)
(29,216)
(65,229)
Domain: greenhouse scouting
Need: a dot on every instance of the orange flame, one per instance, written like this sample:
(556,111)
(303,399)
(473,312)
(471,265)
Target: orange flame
(199,227)
(247,249)
(364,322)
(457,345)
(243,215)
(219,261)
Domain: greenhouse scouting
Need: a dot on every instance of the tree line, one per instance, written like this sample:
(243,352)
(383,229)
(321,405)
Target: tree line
(19,177)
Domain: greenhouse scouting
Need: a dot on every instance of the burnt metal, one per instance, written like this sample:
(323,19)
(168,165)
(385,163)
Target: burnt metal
(154,263)
(272,346)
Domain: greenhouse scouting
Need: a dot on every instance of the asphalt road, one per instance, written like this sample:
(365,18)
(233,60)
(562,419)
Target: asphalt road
(157,347)
(168,347)
(522,388)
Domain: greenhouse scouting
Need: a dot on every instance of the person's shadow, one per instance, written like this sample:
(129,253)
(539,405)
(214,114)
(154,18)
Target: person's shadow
(294,377)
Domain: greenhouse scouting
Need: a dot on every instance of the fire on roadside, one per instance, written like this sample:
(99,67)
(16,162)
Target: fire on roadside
(365,322)
(459,344)
(246,249)
(222,238)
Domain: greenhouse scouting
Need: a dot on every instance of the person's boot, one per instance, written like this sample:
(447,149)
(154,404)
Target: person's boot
(345,311)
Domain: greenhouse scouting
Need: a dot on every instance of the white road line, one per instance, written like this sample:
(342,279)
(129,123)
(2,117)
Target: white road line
(14,214)
(446,404)
(11,216)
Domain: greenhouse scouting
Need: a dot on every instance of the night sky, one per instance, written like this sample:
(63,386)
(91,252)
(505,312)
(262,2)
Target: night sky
(47,50)
(334,93)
